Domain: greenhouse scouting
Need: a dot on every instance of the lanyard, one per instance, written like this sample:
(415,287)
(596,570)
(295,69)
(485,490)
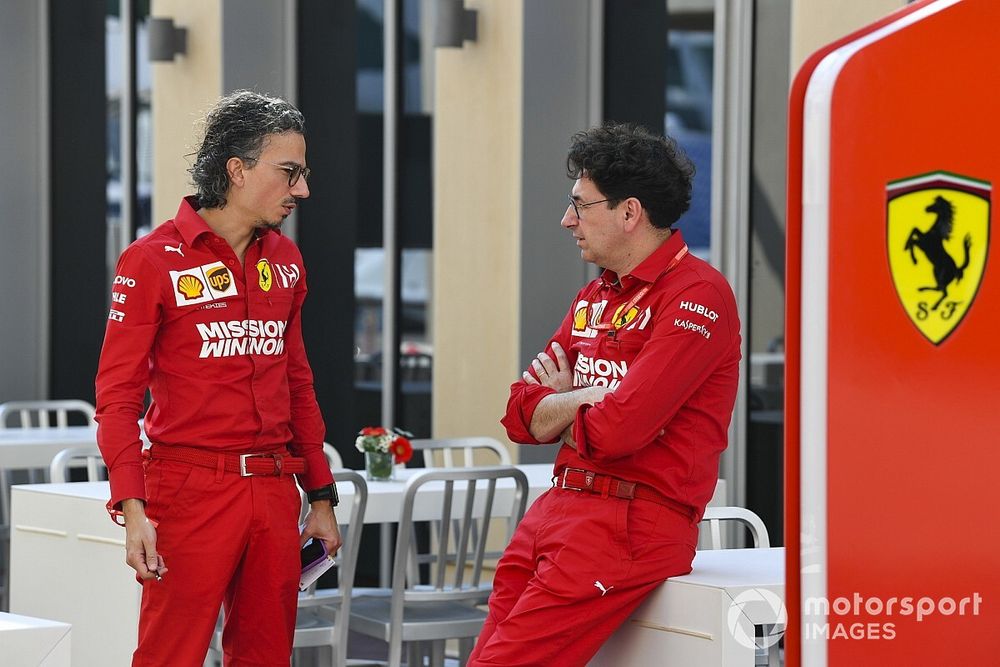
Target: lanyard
(607,326)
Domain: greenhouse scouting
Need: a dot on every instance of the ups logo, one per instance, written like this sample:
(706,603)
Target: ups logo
(220,279)
(938,231)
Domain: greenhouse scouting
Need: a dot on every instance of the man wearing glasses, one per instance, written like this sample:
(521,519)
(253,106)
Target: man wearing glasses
(206,314)
(638,383)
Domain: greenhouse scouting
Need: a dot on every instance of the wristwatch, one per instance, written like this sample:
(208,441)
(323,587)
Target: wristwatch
(328,492)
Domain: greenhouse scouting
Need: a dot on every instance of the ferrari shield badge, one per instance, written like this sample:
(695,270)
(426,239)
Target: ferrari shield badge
(938,233)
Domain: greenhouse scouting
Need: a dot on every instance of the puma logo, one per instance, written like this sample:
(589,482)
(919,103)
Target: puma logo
(600,587)
(170,248)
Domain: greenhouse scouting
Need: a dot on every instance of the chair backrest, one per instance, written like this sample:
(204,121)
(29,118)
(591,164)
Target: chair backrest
(461,452)
(87,457)
(467,502)
(44,414)
(714,516)
(333,458)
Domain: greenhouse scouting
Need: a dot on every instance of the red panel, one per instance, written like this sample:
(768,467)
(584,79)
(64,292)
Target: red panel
(793,287)
(912,445)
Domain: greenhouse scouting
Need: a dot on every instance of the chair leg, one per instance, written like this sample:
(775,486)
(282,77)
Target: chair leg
(212,658)
(465,646)
(396,652)
(437,653)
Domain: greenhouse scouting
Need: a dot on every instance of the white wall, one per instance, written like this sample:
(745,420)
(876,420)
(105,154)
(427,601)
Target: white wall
(23,193)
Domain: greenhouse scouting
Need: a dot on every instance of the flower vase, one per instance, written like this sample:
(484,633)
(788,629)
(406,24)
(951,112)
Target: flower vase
(378,466)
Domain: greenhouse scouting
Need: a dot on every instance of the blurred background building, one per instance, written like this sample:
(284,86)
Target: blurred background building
(437,266)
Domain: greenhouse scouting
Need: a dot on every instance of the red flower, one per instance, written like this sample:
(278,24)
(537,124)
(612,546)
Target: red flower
(402,450)
(373,430)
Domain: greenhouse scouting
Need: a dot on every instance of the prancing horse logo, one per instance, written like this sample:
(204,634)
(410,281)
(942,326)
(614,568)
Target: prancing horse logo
(932,243)
(937,238)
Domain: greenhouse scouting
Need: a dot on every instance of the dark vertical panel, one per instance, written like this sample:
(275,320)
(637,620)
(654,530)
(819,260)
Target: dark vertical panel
(327,222)
(395,291)
(79,294)
(635,79)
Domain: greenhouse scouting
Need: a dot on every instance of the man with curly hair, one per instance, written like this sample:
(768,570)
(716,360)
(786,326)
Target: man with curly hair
(638,382)
(206,314)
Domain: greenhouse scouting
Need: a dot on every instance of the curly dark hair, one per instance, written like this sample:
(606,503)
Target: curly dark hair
(625,160)
(237,127)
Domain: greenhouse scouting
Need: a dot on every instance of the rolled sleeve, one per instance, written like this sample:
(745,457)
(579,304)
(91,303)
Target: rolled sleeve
(524,398)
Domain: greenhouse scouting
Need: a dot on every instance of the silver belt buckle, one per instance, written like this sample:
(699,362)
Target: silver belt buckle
(243,465)
(565,472)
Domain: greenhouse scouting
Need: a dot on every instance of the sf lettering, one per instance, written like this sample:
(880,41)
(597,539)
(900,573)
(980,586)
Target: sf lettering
(924,311)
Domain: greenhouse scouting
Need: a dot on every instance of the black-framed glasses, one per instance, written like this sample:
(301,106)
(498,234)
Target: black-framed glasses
(578,205)
(294,171)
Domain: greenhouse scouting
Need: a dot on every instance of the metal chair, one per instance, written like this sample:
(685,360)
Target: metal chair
(714,516)
(88,458)
(333,458)
(461,452)
(31,414)
(464,452)
(441,604)
(323,613)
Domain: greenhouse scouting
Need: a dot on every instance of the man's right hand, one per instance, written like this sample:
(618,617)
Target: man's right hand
(140,541)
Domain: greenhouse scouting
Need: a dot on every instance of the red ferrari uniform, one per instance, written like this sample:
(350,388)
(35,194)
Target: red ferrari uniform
(666,338)
(219,345)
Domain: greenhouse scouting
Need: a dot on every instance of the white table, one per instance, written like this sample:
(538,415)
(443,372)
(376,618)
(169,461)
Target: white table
(22,448)
(68,558)
(34,642)
(385,499)
(705,618)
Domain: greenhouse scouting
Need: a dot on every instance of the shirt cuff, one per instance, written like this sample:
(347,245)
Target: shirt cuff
(317,472)
(517,421)
(127,481)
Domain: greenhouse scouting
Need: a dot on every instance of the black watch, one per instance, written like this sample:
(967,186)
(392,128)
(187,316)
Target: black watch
(328,492)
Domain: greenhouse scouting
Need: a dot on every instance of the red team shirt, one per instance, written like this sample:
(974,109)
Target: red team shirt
(673,361)
(218,343)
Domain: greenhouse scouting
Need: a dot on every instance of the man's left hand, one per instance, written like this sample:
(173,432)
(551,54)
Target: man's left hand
(321,523)
(554,373)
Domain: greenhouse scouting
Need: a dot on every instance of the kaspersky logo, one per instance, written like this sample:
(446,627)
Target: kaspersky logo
(938,233)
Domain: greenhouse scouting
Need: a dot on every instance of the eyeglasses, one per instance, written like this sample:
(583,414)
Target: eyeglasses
(294,171)
(578,206)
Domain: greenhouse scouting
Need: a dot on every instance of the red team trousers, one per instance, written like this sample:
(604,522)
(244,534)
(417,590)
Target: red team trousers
(576,567)
(225,539)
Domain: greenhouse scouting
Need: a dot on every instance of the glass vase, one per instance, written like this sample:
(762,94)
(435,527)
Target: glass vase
(378,466)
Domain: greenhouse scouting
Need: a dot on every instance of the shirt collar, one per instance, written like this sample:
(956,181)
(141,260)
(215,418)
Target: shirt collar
(652,267)
(191,225)
(188,222)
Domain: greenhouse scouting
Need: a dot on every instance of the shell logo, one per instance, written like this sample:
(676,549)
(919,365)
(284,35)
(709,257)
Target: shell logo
(266,277)
(190,286)
(580,318)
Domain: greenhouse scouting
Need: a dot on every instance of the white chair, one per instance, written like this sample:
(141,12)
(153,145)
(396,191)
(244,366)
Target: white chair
(714,516)
(322,619)
(42,414)
(333,458)
(88,458)
(440,605)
